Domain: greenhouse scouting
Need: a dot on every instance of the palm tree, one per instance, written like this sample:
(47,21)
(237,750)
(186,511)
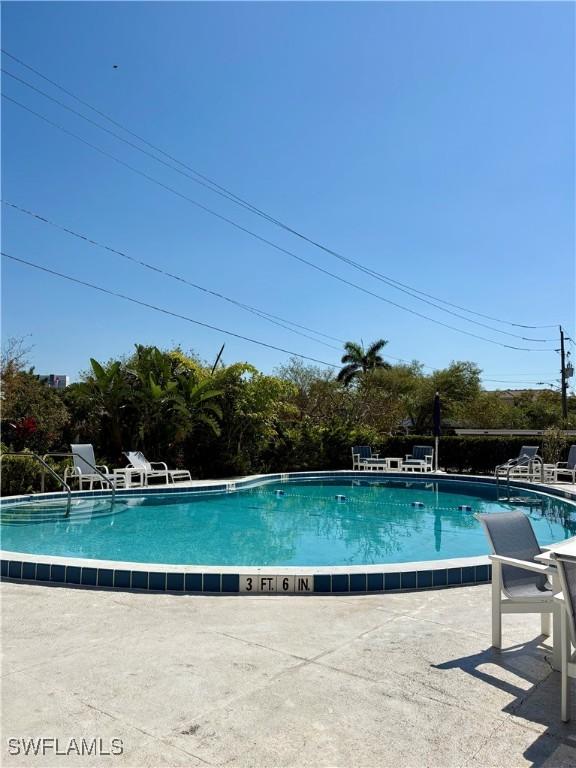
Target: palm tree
(106,391)
(359,360)
(173,402)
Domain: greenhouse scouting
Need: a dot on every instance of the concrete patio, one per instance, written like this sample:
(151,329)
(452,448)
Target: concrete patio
(361,681)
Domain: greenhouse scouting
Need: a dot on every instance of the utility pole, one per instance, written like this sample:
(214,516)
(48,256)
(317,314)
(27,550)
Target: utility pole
(217,359)
(564,378)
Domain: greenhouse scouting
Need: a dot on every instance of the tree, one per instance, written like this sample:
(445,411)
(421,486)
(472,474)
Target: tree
(174,397)
(358,360)
(105,394)
(33,415)
(458,385)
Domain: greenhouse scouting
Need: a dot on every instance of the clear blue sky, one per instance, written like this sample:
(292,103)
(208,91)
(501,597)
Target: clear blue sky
(433,142)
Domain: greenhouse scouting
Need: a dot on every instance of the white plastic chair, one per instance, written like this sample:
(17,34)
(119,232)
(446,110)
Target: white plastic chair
(519,583)
(420,460)
(568,467)
(521,467)
(155,468)
(84,466)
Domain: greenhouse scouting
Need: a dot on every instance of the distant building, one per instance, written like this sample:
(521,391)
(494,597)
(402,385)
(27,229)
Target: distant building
(55,380)
(511,395)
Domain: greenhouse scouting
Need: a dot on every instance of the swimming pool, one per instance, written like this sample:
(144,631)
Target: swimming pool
(310,523)
(292,525)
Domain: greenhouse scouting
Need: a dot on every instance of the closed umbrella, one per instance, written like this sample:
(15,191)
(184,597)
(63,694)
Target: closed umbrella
(437,417)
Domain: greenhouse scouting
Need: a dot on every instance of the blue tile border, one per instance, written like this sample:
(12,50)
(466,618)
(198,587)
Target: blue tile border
(175,582)
(88,577)
(408,580)
(58,574)
(391,581)
(375,582)
(157,581)
(340,582)
(424,579)
(357,582)
(29,571)
(122,579)
(105,577)
(42,572)
(193,582)
(229,583)
(139,580)
(73,574)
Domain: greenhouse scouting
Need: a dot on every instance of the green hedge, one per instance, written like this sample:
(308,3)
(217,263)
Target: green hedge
(466,454)
(318,448)
(463,454)
(24,475)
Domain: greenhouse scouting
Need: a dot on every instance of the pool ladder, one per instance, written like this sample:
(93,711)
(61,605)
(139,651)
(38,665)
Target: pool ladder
(524,461)
(47,468)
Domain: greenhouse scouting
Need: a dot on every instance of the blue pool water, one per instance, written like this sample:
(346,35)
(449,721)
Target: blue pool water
(307,525)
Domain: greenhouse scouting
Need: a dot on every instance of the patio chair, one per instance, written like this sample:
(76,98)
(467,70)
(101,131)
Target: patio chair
(519,583)
(566,565)
(155,468)
(522,466)
(567,467)
(85,469)
(420,460)
(364,459)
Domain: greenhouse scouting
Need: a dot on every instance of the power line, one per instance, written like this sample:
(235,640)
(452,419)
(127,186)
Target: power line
(227,194)
(275,319)
(263,239)
(502,381)
(164,311)
(154,268)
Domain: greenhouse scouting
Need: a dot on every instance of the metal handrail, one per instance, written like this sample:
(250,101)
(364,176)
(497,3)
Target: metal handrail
(520,462)
(45,467)
(96,470)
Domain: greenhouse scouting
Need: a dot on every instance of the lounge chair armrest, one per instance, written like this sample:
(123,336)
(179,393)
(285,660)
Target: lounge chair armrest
(561,464)
(160,464)
(524,564)
(103,468)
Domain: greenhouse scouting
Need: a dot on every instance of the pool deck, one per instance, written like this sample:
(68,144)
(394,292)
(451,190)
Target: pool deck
(401,680)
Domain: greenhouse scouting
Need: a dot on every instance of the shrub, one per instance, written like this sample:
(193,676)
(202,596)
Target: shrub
(463,453)
(23,474)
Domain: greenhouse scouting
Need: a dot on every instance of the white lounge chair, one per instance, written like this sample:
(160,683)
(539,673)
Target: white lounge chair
(519,583)
(364,459)
(86,471)
(420,460)
(566,565)
(562,469)
(155,468)
(525,466)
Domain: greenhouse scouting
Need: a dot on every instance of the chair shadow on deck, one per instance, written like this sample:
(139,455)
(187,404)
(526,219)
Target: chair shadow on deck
(533,707)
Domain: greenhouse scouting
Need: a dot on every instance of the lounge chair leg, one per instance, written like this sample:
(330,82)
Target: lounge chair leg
(496,608)
(545,624)
(565,683)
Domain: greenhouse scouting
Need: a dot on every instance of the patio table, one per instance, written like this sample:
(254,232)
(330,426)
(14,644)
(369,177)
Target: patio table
(383,465)
(130,477)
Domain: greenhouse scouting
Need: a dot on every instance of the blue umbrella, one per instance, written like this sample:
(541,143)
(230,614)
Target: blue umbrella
(437,419)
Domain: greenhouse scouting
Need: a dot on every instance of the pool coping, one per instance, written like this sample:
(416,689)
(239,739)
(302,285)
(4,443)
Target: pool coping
(203,579)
